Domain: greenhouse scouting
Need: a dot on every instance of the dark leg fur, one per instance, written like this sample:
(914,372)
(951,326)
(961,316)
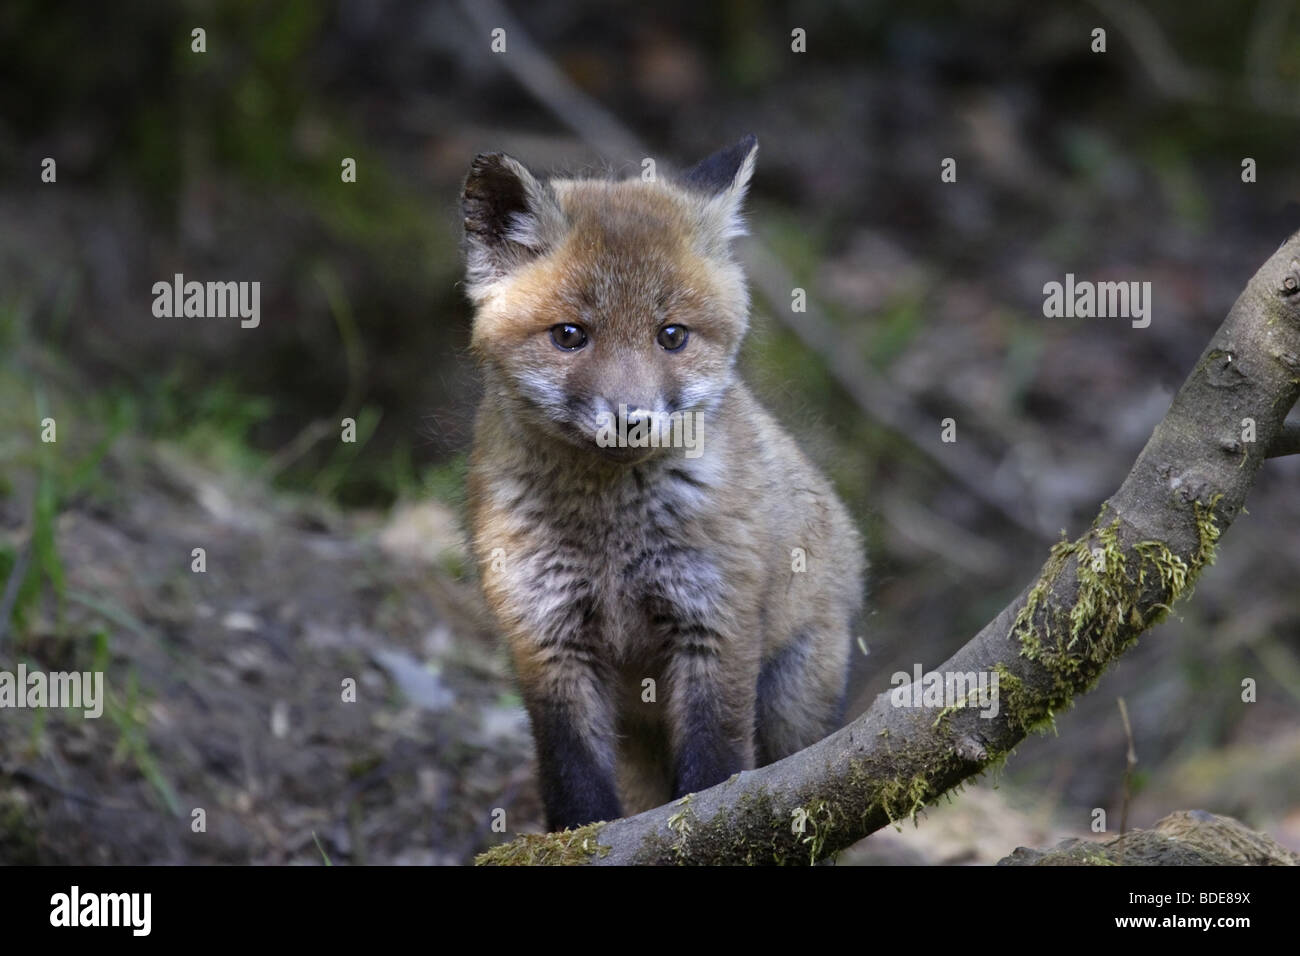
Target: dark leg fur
(568,691)
(706,753)
(577,783)
(793,711)
(711,719)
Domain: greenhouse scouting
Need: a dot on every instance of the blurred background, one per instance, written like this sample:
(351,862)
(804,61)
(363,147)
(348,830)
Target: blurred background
(328,561)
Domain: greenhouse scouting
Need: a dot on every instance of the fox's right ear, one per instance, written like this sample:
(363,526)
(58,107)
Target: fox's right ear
(722,180)
(510,218)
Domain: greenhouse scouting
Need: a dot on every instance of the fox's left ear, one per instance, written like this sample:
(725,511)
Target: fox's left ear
(722,180)
(511,217)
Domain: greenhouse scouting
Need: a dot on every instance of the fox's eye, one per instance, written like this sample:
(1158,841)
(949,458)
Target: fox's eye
(568,336)
(672,337)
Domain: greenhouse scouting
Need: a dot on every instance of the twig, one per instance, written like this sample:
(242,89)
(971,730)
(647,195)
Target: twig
(1155,54)
(1195,85)
(1130,761)
(534,70)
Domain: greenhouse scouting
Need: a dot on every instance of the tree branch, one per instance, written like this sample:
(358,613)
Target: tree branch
(1091,600)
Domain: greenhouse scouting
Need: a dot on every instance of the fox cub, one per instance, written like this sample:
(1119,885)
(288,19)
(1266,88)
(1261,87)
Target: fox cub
(677,583)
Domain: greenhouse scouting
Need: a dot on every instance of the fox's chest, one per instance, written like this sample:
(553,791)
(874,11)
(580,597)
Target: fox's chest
(637,549)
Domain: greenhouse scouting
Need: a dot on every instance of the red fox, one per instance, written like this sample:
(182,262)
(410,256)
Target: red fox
(678,585)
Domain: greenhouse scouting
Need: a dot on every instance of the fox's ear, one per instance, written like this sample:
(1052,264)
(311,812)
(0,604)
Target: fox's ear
(510,218)
(722,180)
(726,169)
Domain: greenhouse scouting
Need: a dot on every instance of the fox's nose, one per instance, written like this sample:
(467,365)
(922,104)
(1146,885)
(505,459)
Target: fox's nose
(634,414)
(627,412)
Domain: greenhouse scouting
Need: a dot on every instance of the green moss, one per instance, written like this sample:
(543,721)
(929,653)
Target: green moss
(1172,570)
(1112,603)
(680,824)
(947,712)
(567,848)
(1022,707)
(1208,532)
(1103,587)
(756,832)
(807,828)
(817,824)
(904,799)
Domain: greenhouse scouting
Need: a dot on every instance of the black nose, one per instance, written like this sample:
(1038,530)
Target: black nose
(634,414)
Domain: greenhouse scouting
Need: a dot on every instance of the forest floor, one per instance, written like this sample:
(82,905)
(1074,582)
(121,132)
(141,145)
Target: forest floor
(226,687)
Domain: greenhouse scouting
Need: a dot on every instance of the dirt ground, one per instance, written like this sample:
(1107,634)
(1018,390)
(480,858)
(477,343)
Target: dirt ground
(226,688)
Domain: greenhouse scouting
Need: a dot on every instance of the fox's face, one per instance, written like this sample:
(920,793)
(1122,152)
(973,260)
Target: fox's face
(603,303)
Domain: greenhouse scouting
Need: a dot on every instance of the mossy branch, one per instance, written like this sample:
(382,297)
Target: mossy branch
(1093,598)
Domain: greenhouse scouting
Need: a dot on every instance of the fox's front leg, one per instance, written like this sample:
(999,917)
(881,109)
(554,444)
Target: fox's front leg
(710,676)
(567,684)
